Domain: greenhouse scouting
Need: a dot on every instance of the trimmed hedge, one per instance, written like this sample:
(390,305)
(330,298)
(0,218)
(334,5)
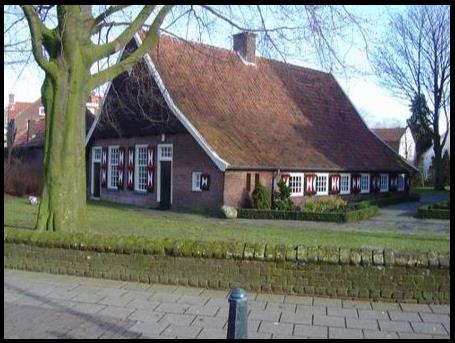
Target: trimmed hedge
(223,250)
(349,215)
(393,200)
(439,210)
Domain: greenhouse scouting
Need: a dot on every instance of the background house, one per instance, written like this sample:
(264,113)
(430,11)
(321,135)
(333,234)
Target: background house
(25,174)
(427,157)
(399,139)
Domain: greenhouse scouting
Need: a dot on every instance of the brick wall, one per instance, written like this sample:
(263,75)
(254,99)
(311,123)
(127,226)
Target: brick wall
(188,156)
(235,192)
(357,274)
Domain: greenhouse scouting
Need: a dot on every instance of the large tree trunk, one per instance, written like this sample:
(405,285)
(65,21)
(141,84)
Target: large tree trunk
(63,202)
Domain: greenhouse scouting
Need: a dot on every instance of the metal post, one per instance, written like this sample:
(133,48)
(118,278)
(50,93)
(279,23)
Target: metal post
(238,315)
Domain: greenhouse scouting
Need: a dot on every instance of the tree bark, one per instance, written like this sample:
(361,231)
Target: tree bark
(63,201)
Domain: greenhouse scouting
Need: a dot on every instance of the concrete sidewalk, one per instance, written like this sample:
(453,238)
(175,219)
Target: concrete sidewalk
(39,305)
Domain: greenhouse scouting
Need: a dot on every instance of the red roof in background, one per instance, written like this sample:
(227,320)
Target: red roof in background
(268,115)
(16,108)
(391,134)
(38,140)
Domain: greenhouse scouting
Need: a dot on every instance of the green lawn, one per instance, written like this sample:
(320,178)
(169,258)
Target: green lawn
(420,190)
(104,218)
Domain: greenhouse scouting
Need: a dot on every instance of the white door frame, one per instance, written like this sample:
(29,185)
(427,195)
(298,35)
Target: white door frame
(158,170)
(92,185)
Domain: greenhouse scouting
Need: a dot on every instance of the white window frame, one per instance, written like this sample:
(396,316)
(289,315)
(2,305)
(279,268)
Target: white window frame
(401,177)
(326,175)
(92,175)
(109,169)
(386,188)
(362,175)
(41,111)
(302,184)
(195,177)
(348,175)
(136,167)
(161,148)
(158,176)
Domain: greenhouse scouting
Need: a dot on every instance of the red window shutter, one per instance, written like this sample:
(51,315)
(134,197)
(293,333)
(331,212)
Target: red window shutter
(150,168)
(310,184)
(285,178)
(248,182)
(104,152)
(334,184)
(121,167)
(130,169)
(355,183)
(205,182)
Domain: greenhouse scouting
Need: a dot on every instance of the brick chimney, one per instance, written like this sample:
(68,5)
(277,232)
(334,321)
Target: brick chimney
(31,129)
(245,46)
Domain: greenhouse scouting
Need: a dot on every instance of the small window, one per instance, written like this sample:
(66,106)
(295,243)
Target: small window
(113,167)
(248,182)
(140,170)
(97,154)
(322,187)
(166,153)
(401,182)
(384,182)
(196,181)
(41,111)
(365,183)
(345,183)
(296,184)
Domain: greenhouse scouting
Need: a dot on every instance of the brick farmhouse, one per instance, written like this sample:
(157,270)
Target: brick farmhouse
(194,125)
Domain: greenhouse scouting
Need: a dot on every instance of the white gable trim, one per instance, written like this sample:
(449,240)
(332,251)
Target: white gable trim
(220,163)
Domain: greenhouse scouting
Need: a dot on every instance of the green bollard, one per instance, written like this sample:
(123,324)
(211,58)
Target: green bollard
(238,315)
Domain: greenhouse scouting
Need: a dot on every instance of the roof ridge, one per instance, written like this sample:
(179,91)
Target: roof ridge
(233,53)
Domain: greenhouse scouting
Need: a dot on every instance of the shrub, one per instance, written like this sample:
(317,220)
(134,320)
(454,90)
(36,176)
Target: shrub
(21,179)
(439,210)
(331,204)
(261,198)
(282,198)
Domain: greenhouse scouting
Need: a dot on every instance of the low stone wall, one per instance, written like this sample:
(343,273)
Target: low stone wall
(347,273)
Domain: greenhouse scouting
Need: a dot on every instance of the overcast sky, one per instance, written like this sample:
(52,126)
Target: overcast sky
(375,104)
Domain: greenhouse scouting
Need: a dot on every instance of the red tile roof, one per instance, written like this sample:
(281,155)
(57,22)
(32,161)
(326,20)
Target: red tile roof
(16,108)
(38,140)
(269,115)
(390,134)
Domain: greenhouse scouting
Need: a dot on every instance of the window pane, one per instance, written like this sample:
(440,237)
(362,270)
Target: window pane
(295,184)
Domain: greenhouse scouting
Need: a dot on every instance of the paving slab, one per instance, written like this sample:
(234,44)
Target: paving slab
(311,331)
(428,328)
(373,334)
(276,328)
(342,333)
(181,331)
(209,333)
(395,326)
(406,316)
(354,323)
